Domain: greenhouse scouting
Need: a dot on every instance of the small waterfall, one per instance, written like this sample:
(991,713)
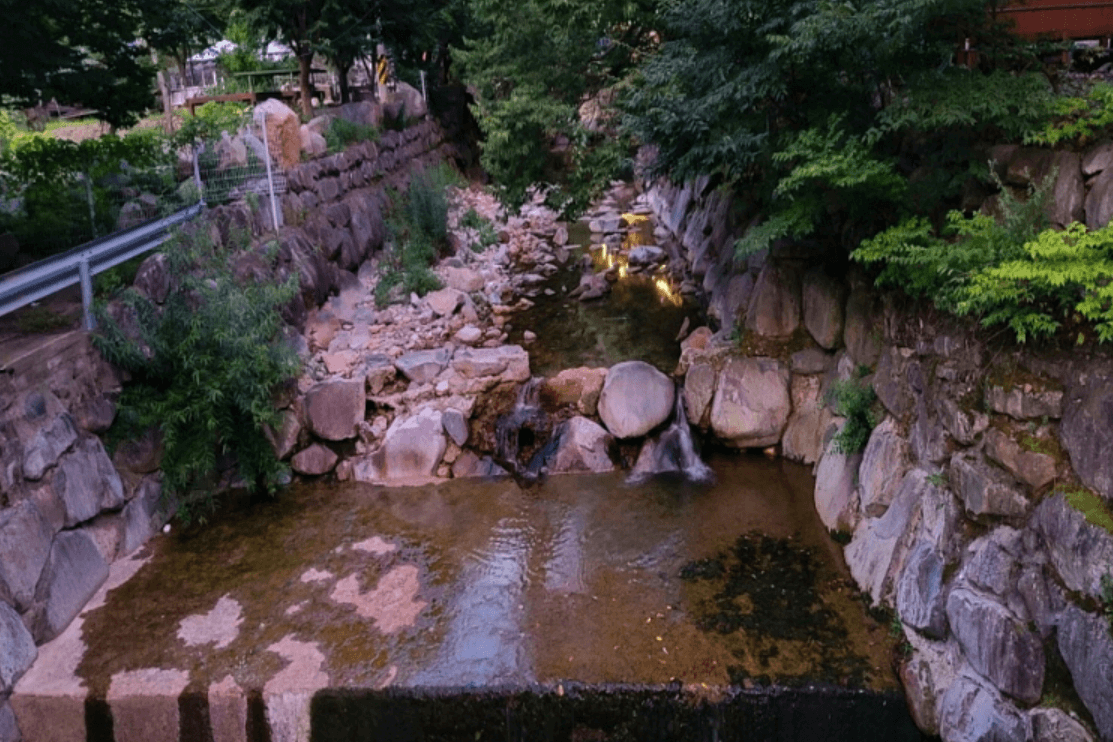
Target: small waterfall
(521,430)
(672,450)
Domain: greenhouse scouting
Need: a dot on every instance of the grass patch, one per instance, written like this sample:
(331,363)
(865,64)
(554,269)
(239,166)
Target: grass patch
(853,400)
(42,320)
(1090,505)
(341,133)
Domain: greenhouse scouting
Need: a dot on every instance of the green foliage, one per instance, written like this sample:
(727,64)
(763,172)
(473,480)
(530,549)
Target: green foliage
(210,120)
(1079,120)
(853,400)
(203,369)
(1006,272)
(487,235)
(341,133)
(418,227)
(34,320)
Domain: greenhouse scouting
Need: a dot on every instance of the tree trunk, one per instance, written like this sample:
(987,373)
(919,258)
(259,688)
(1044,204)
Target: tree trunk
(342,71)
(305,60)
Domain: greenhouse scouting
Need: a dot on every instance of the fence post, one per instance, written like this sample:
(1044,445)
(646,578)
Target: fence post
(270,175)
(92,206)
(86,294)
(197,149)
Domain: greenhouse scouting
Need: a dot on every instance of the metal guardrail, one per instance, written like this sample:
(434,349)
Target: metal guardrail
(79,265)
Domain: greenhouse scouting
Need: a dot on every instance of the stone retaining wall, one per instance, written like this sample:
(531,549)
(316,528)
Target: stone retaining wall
(964,511)
(67,510)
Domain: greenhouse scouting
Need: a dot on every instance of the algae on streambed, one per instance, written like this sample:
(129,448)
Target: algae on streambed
(578,579)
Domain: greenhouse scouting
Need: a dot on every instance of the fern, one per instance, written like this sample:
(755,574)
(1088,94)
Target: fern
(1079,120)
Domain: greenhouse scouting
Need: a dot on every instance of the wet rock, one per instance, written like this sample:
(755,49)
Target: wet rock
(1081,552)
(646,255)
(334,407)
(73,572)
(973,711)
(9,730)
(1037,470)
(997,643)
(1086,646)
(1087,432)
(1056,725)
(861,330)
(86,482)
(509,361)
(455,425)
(824,300)
(152,279)
(17,648)
(314,461)
(141,516)
(285,437)
(920,598)
(877,551)
(635,399)
(699,390)
(412,449)
(576,386)
(752,403)
(583,446)
(48,444)
(1025,402)
(985,490)
(25,544)
(470,465)
(422,366)
(926,676)
(836,490)
(884,463)
(774,308)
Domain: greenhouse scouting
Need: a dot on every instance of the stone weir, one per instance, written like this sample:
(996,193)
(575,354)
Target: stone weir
(979,510)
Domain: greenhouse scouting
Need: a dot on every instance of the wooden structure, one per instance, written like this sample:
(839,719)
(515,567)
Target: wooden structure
(1060,19)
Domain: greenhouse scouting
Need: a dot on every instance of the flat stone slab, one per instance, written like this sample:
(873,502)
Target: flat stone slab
(270,617)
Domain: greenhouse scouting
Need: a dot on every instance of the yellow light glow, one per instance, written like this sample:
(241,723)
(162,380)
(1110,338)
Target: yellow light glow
(666,292)
(634,219)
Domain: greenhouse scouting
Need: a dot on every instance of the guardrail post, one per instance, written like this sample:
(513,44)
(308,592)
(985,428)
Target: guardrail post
(87,294)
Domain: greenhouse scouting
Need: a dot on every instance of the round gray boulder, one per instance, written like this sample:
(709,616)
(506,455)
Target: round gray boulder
(636,398)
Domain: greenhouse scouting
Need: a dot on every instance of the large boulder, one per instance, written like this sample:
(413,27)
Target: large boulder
(1056,725)
(422,366)
(24,547)
(884,463)
(1081,552)
(1086,645)
(50,441)
(1099,201)
(1024,401)
(824,302)
(752,402)
(511,362)
(17,648)
(1035,469)
(861,330)
(1065,204)
(699,390)
(836,489)
(1087,433)
(314,461)
(283,131)
(86,482)
(878,549)
(985,490)
(775,304)
(919,599)
(582,446)
(153,278)
(73,572)
(973,711)
(997,643)
(334,407)
(574,386)
(635,399)
(411,450)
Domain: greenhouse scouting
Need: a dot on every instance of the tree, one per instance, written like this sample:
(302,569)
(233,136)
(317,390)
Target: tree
(76,52)
(532,64)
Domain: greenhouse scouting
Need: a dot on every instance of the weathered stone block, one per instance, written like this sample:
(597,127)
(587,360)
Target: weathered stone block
(635,399)
(1081,552)
(333,408)
(73,572)
(919,598)
(314,461)
(884,463)
(1086,646)
(25,538)
(752,403)
(87,483)
(973,711)
(17,648)
(1087,433)
(824,304)
(984,490)
(775,304)
(997,644)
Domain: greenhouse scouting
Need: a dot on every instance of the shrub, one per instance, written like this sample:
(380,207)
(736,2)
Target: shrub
(341,133)
(210,120)
(853,400)
(203,370)
(1079,120)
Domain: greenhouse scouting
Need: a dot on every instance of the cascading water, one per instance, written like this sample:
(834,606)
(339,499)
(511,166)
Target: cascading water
(672,450)
(520,430)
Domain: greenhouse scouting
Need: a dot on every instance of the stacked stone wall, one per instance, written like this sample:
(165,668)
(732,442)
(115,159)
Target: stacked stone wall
(971,512)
